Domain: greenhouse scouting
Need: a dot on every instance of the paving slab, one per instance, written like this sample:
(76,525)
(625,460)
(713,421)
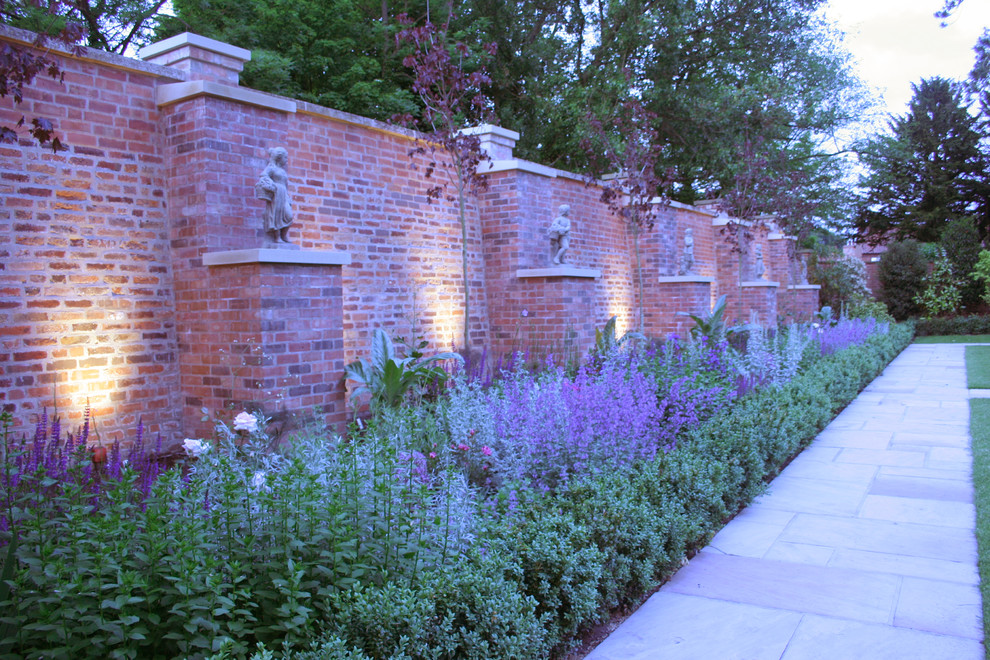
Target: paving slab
(819,637)
(863,547)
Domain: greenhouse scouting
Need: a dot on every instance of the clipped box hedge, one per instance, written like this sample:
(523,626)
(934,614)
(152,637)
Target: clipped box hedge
(956,325)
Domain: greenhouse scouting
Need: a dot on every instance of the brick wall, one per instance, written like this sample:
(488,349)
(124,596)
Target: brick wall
(86,307)
(107,289)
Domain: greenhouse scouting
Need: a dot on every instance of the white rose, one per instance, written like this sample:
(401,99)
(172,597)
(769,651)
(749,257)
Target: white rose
(195,447)
(245,421)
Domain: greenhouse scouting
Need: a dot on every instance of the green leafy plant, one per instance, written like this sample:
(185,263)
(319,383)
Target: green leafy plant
(606,339)
(390,379)
(902,274)
(941,295)
(710,325)
(981,273)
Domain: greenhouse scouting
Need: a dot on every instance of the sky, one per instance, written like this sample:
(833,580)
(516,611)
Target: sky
(899,42)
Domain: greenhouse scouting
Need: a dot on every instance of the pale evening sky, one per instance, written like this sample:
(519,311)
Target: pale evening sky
(899,42)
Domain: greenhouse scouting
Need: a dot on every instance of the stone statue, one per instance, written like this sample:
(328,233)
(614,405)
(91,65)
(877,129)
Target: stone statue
(758,268)
(560,234)
(802,270)
(273,187)
(687,257)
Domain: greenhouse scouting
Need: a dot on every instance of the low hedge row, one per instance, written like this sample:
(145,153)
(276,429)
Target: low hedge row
(956,325)
(558,564)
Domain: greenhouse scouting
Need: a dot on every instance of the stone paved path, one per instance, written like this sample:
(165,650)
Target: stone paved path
(863,547)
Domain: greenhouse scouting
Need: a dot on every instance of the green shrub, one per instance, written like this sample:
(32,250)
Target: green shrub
(902,273)
(942,293)
(842,278)
(981,273)
(961,243)
(957,325)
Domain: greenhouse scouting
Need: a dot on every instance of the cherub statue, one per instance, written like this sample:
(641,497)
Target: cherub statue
(687,257)
(560,234)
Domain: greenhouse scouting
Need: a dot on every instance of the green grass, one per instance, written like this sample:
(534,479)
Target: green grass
(979,428)
(953,339)
(978,367)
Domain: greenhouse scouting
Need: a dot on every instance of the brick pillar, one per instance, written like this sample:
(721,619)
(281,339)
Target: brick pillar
(687,293)
(203,58)
(273,340)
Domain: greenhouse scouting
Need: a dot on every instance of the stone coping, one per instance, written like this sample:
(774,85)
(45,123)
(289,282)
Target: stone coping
(26,37)
(192,39)
(804,287)
(678,279)
(559,271)
(182,91)
(759,283)
(277,256)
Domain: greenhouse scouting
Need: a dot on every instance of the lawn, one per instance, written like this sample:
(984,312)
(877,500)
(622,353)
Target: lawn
(953,339)
(979,427)
(978,367)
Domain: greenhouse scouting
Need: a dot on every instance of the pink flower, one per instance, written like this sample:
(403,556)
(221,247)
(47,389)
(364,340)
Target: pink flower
(463,447)
(486,451)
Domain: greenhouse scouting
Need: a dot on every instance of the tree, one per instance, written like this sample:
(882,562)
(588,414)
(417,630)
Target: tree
(631,151)
(902,277)
(20,66)
(337,53)
(928,172)
(111,25)
(452,100)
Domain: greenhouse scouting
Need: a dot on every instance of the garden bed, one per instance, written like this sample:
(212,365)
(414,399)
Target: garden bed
(501,521)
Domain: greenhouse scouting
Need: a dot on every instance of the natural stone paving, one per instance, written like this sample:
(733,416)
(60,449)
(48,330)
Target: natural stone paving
(863,547)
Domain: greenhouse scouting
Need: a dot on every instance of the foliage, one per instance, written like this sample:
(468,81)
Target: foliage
(111,25)
(379,547)
(769,74)
(842,278)
(391,380)
(981,273)
(630,151)
(770,359)
(19,66)
(341,54)
(452,99)
(941,295)
(927,173)
(961,243)
(607,341)
(868,308)
(902,273)
(959,325)
(711,325)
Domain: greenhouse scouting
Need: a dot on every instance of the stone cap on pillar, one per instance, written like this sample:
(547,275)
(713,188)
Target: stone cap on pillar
(202,57)
(496,141)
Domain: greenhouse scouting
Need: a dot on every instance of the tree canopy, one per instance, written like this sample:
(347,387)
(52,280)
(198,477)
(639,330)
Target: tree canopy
(732,84)
(928,172)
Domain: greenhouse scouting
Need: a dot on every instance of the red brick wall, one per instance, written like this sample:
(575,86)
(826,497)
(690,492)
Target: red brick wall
(554,312)
(103,289)
(86,309)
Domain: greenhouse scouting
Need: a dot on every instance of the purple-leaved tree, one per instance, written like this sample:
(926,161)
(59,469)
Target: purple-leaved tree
(452,100)
(19,66)
(629,147)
